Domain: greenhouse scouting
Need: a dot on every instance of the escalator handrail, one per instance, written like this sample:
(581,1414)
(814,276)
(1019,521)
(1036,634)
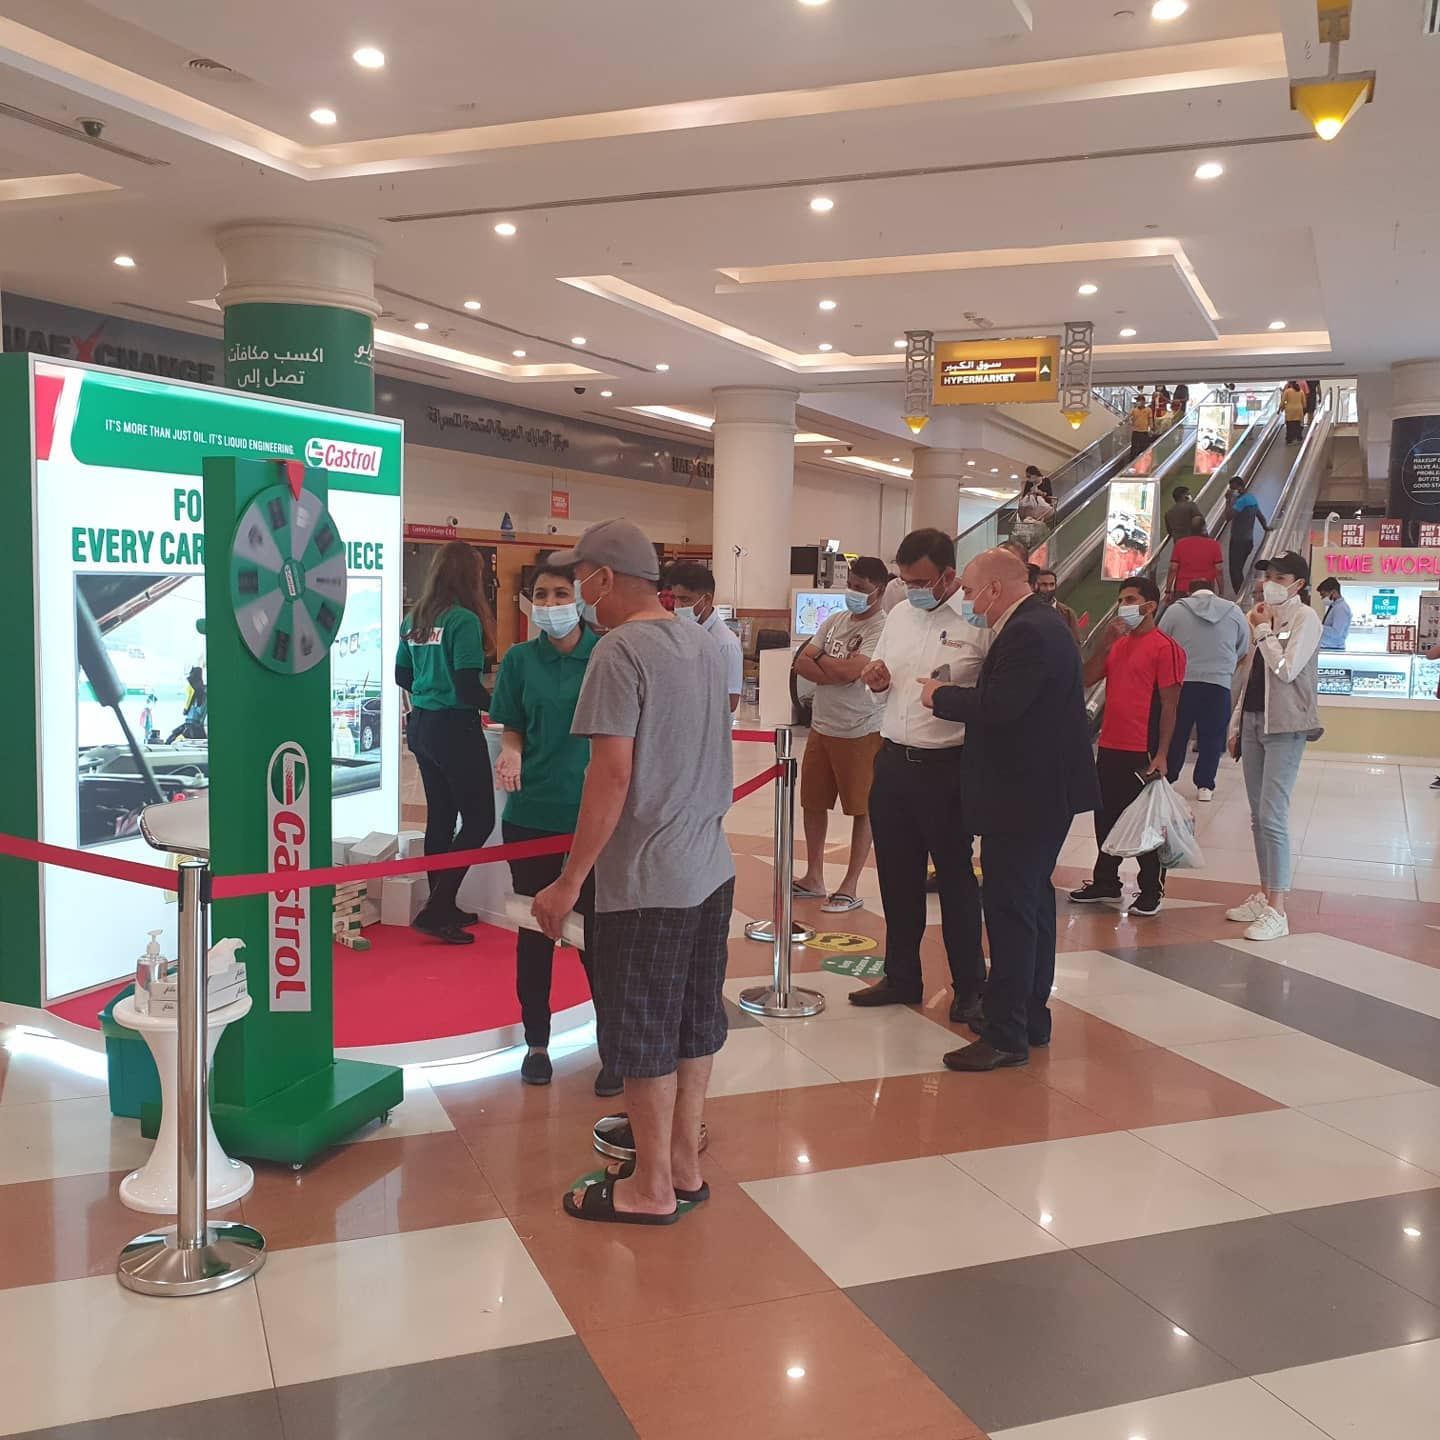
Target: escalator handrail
(1290,521)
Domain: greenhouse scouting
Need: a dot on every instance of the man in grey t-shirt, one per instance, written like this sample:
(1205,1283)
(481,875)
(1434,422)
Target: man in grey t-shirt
(656,708)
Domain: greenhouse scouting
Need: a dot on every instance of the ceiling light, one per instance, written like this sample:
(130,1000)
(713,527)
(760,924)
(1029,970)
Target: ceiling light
(518,354)
(422,324)
(662,367)
(1014,477)
(899,344)
(1168,9)
(827,304)
(994,469)
(969,462)
(814,4)
(369,58)
(1046,1217)
(323,115)
(1209,170)
(472,304)
(1178,1333)
(1088,289)
(829,452)
(825,347)
(125,262)
(1277,324)
(797,1372)
(802,1160)
(1127,333)
(895,460)
(578,340)
(822,204)
(1329,101)
(1413,1232)
(607,394)
(505,228)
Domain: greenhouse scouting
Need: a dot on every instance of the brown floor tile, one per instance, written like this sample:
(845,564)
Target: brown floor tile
(1409,941)
(506,1100)
(757,1137)
(976,1112)
(1376,910)
(857,1385)
(1149,1087)
(725,1253)
(530,1165)
(1078,1034)
(381,1187)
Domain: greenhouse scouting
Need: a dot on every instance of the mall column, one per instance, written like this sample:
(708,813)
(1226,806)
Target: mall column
(754,438)
(935,496)
(300,310)
(1415,445)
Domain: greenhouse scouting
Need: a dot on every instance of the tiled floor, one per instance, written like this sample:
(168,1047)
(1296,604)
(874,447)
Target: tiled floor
(1210,1209)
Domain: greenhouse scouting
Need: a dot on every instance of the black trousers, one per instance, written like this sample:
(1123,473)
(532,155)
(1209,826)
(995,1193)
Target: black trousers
(916,816)
(1120,783)
(1139,443)
(449,747)
(534,952)
(1204,707)
(1020,921)
(1240,566)
(1294,431)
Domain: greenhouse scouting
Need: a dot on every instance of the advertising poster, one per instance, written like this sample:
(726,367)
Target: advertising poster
(121,656)
(1213,425)
(1415,468)
(1129,528)
(1392,532)
(1352,534)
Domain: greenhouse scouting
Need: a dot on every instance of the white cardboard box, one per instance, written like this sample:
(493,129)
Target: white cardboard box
(411,843)
(402,897)
(369,913)
(375,846)
(340,848)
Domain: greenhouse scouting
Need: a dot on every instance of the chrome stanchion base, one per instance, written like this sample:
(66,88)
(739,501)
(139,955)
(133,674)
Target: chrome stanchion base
(614,1137)
(764,931)
(797,1005)
(154,1264)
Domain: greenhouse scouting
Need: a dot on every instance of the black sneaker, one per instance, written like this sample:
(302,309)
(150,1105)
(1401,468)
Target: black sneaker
(1144,904)
(1092,894)
(1435,783)
(536,1069)
(442,927)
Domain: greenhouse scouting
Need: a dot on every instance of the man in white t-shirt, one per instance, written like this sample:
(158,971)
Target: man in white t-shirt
(693,586)
(844,733)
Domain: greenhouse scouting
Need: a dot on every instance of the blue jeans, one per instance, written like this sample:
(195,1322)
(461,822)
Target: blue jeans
(1205,707)
(1271,763)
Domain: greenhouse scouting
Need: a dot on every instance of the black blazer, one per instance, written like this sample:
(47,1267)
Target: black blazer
(1028,758)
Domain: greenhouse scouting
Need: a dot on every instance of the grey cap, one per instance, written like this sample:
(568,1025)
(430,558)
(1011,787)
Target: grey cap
(618,544)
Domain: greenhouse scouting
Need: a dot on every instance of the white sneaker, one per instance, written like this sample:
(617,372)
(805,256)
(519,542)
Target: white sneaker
(1250,911)
(1204,794)
(1272,925)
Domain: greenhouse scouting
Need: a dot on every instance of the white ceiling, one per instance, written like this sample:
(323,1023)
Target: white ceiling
(753,107)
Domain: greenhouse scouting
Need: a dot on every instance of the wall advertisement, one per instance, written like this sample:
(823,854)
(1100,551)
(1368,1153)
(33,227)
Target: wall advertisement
(1213,428)
(1415,473)
(1129,528)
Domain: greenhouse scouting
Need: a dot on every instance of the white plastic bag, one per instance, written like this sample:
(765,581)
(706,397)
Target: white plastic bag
(1157,819)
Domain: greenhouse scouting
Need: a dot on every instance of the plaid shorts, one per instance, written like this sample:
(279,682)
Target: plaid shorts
(659,976)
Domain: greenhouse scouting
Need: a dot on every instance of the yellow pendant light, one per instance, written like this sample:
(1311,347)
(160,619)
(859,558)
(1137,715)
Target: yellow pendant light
(916,422)
(1076,417)
(1328,102)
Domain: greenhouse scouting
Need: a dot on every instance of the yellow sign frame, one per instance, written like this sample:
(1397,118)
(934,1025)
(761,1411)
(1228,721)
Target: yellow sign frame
(976,372)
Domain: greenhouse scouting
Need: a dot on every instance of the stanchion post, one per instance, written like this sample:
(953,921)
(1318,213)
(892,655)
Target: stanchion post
(782,1000)
(194,1256)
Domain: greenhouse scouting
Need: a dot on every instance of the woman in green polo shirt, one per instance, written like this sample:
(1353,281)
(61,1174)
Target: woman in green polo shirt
(542,766)
(440,661)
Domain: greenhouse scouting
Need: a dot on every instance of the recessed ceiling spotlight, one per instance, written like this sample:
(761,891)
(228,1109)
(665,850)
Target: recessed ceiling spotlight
(994,469)
(1128,332)
(578,340)
(829,451)
(518,354)
(662,367)
(1088,289)
(422,324)
(369,58)
(1168,9)
(821,204)
(323,115)
(969,462)
(824,347)
(472,304)
(607,394)
(1209,170)
(1413,1232)
(900,344)
(505,228)
(1274,324)
(1014,477)
(814,4)
(125,262)
(827,304)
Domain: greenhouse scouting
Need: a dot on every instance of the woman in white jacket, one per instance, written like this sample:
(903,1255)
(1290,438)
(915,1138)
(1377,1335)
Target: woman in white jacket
(1275,714)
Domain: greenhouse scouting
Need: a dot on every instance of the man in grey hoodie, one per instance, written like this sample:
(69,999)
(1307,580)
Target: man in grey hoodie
(1215,637)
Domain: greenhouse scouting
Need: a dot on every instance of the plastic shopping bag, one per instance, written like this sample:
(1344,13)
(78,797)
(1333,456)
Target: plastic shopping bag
(1157,819)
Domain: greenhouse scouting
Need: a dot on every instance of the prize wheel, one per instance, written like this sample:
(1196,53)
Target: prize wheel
(287,579)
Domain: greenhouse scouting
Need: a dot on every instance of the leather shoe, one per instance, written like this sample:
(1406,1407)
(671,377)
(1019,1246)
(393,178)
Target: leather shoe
(966,1012)
(884,993)
(982,1056)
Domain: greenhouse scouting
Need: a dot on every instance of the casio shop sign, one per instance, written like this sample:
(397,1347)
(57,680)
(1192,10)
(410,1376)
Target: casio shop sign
(288,829)
(343,457)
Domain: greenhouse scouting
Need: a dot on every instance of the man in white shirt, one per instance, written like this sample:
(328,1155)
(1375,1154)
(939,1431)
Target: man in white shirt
(693,586)
(916,812)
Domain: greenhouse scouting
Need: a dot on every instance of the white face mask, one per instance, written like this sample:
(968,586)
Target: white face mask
(1130,614)
(1276,594)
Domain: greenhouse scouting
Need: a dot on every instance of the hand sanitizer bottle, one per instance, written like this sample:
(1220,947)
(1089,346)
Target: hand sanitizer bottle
(151,966)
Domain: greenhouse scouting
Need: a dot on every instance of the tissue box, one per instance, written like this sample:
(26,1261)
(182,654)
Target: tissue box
(340,848)
(411,843)
(402,898)
(225,987)
(375,846)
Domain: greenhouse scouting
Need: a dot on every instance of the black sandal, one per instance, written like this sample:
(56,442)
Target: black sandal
(597,1202)
(626,1169)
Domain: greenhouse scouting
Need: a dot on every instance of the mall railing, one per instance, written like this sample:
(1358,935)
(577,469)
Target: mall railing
(1291,523)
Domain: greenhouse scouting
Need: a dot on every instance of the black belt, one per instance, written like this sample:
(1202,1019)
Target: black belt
(922,756)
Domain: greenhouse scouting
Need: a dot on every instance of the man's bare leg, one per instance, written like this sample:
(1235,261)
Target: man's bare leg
(817,823)
(694,1081)
(651,1107)
(859,854)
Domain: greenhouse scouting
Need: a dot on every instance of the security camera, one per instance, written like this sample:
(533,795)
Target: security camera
(92,127)
(452,519)
(579,389)
(552,529)
(849,449)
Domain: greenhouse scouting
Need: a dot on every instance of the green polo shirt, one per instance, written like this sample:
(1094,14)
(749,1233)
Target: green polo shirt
(535,693)
(456,643)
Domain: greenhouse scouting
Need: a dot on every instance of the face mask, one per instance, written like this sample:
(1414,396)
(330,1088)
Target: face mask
(922,599)
(686,612)
(1130,614)
(857,602)
(1276,594)
(587,610)
(556,620)
(967,613)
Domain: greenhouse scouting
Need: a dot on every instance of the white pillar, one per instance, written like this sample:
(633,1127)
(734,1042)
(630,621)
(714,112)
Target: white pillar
(935,496)
(754,438)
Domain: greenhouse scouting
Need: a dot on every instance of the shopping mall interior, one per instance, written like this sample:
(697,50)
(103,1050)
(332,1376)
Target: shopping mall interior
(780,282)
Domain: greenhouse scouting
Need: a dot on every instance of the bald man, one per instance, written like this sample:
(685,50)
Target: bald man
(1028,773)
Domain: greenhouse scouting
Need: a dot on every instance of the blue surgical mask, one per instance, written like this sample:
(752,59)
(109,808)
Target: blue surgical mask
(967,613)
(857,602)
(587,610)
(922,599)
(556,620)
(1130,614)
(686,612)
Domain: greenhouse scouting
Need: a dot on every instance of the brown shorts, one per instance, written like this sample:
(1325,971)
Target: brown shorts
(839,769)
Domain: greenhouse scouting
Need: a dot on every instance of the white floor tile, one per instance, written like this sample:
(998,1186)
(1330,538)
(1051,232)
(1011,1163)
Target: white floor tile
(1315,875)
(83,1349)
(1386,1393)
(1404,1125)
(66,1137)
(1236,1410)
(1085,974)
(420,1113)
(1096,1188)
(38,1068)
(835,988)
(1427,883)
(758,1059)
(1285,1160)
(893,1041)
(1179,1017)
(401,1299)
(1298,1069)
(909,1217)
